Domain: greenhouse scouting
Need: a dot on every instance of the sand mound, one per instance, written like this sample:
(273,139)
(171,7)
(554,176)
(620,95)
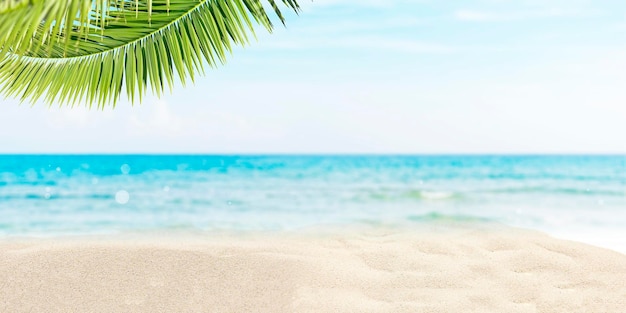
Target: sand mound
(462,270)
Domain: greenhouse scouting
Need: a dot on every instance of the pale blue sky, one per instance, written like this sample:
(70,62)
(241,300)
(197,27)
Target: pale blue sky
(380,76)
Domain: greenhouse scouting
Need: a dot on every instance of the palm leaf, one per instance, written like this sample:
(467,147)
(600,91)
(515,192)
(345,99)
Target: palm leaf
(70,51)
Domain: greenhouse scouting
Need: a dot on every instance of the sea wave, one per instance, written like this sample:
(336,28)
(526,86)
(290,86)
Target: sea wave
(413,194)
(440,217)
(556,191)
(44,196)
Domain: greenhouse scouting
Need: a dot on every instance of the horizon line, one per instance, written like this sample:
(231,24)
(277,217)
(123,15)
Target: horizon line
(262,154)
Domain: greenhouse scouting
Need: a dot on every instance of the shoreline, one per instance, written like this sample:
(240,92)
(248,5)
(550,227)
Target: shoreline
(605,240)
(449,268)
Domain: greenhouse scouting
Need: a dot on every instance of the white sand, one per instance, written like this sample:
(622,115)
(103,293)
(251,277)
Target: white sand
(460,270)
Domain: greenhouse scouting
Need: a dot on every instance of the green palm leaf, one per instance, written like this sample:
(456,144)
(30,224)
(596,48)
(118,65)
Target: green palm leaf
(69,51)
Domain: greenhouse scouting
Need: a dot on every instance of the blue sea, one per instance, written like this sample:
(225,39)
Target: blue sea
(575,197)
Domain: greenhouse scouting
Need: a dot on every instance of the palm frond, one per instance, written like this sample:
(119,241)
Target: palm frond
(69,51)
(10,5)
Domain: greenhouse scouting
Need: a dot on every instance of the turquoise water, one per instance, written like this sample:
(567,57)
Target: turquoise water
(577,197)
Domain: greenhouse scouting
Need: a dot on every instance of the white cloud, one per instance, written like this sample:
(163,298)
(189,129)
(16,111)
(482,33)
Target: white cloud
(395,45)
(155,117)
(518,15)
(76,117)
(358,25)
(358,3)
(368,43)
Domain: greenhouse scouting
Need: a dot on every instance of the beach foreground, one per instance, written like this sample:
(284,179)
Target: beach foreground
(442,269)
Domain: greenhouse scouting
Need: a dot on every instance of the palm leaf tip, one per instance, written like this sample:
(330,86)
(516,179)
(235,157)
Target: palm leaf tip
(93,52)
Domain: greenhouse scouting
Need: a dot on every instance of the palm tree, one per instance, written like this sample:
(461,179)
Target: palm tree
(71,51)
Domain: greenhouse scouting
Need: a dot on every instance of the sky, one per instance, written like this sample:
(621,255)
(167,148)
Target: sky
(380,77)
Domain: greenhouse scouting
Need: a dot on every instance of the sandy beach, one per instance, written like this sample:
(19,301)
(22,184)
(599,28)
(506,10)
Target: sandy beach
(443,269)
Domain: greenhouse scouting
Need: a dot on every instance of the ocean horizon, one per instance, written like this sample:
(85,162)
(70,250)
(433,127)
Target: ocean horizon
(577,197)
